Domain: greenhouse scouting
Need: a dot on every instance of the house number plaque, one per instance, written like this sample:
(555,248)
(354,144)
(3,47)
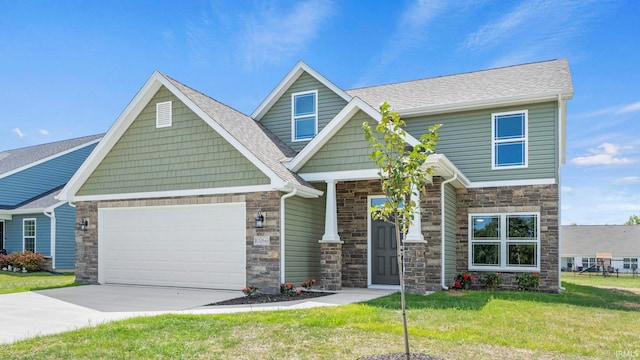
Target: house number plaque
(261,240)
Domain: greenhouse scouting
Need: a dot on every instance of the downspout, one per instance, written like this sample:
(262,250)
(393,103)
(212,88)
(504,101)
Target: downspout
(282,199)
(560,135)
(443,229)
(52,215)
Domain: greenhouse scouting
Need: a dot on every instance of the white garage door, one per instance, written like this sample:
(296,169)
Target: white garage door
(200,246)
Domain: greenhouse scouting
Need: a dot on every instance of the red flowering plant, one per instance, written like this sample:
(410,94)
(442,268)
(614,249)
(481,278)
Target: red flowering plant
(288,289)
(250,290)
(307,285)
(463,281)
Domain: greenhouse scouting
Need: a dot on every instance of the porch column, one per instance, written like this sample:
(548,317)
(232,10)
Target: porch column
(331,214)
(415,230)
(330,245)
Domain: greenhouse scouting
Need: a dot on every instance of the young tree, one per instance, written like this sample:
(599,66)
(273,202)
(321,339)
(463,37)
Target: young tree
(402,172)
(633,220)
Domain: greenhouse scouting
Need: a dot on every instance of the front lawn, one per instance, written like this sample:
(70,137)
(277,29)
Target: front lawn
(582,322)
(11,282)
(628,281)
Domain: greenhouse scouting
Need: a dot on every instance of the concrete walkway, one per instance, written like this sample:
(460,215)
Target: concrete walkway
(45,312)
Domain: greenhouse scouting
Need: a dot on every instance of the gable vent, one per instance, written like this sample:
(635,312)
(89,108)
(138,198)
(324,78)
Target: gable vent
(163,114)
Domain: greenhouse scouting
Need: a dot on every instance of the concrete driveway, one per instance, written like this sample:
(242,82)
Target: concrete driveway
(30,314)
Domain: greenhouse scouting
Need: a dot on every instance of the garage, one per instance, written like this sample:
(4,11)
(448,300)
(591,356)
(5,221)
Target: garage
(197,246)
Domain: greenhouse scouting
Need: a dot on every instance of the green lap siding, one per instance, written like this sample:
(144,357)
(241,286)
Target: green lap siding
(187,155)
(346,150)
(465,139)
(449,234)
(278,118)
(304,227)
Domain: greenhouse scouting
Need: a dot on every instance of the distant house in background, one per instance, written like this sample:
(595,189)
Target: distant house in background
(30,216)
(580,243)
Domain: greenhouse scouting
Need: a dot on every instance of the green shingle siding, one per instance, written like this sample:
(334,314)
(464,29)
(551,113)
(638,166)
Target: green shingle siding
(303,229)
(278,118)
(187,155)
(346,150)
(450,234)
(465,138)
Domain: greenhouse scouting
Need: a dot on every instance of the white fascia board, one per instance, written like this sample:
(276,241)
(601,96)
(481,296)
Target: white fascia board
(112,136)
(23,211)
(444,168)
(287,81)
(303,191)
(175,193)
(486,103)
(348,175)
(35,163)
(484,184)
(5,216)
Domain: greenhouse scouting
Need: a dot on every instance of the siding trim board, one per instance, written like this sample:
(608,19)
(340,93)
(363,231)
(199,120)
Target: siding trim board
(175,193)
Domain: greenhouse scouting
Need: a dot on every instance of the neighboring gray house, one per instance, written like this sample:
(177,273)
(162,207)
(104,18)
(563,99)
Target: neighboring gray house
(581,243)
(185,191)
(31,218)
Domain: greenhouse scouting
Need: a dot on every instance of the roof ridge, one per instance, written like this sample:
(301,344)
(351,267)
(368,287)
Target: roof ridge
(53,142)
(457,74)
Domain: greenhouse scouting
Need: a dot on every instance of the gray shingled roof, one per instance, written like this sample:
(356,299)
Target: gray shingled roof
(521,80)
(42,202)
(17,158)
(619,240)
(258,140)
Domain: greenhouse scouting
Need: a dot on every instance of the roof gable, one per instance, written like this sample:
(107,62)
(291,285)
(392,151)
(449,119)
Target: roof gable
(242,132)
(287,81)
(620,240)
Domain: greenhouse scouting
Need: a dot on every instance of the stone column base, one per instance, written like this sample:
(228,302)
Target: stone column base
(331,265)
(415,265)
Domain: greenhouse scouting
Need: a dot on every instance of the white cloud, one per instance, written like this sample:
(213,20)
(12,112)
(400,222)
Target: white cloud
(629,108)
(273,34)
(605,154)
(44,132)
(18,132)
(628,180)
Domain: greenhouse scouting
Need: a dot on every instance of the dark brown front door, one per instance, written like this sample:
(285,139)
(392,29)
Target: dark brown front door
(384,260)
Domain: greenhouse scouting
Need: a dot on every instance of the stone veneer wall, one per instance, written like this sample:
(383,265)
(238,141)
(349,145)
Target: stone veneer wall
(533,198)
(351,198)
(263,262)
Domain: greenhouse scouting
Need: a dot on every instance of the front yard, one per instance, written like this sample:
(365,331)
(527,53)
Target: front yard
(11,282)
(583,322)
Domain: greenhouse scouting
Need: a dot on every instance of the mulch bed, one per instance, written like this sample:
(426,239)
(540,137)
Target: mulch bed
(260,298)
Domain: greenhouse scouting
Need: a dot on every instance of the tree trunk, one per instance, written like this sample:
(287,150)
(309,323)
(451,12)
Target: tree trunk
(402,301)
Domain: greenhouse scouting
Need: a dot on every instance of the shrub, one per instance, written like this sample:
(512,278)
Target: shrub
(463,281)
(307,285)
(288,289)
(492,280)
(23,260)
(527,281)
(250,290)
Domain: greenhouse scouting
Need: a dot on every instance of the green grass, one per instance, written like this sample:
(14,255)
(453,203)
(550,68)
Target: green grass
(582,322)
(19,282)
(593,279)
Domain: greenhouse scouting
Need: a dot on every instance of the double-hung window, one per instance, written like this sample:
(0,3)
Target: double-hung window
(29,234)
(304,115)
(504,241)
(627,263)
(509,141)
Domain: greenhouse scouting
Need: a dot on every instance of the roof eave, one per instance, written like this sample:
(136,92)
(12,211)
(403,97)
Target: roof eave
(486,103)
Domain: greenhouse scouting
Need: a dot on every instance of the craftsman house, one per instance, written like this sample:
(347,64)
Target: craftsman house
(30,216)
(185,191)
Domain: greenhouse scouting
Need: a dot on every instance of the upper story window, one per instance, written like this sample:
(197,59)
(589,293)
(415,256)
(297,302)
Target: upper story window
(504,242)
(509,142)
(304,115)
(29,235)
(163,114)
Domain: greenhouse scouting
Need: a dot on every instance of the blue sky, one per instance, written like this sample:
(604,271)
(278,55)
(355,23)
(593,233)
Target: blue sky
(68,68)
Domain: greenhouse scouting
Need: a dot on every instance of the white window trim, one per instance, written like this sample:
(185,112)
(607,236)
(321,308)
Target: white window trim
(503,244)
(294,118)
(24,236)
(525,139)
(162,107)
